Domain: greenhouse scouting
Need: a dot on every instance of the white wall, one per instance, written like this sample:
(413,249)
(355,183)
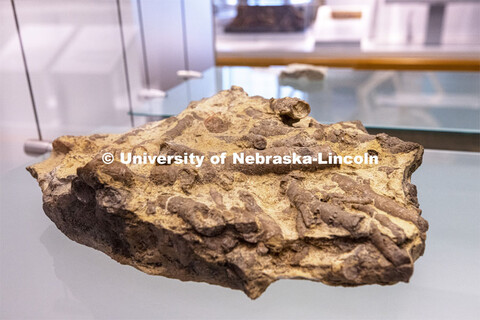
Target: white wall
(74,54)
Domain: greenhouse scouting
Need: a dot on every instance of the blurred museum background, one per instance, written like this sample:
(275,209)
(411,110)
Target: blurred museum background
(80,67)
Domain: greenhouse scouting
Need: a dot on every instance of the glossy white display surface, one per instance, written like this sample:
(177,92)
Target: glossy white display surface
(45,275)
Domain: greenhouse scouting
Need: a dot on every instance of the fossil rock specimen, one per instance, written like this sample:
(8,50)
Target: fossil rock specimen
(242,226)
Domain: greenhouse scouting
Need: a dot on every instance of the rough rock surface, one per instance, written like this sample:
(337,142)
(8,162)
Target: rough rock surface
(242,226)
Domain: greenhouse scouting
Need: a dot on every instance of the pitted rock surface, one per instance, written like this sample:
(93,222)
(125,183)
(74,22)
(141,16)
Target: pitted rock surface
(242,226)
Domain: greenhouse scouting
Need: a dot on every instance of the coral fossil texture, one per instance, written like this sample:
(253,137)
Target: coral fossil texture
(242,226)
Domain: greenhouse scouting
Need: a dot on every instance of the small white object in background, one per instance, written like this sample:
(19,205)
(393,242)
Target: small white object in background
(189,74)
(151,94)
(298,70)
(36,147)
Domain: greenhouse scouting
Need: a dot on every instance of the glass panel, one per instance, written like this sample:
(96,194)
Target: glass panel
(437,101)
(164,42)
(75,57)
(199,34)
(17,123)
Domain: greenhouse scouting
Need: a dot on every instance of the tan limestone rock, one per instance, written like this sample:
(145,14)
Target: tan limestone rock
(242,226)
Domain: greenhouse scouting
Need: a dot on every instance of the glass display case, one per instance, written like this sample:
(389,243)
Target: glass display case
(71,67)
(421,102)
(391,34)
